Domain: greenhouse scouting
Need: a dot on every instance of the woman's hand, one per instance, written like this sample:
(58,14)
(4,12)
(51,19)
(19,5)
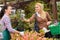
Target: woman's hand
(48,23)
(25,20)
(17,32)
(22,19)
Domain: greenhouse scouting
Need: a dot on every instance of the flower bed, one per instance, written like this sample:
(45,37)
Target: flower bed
(30,36)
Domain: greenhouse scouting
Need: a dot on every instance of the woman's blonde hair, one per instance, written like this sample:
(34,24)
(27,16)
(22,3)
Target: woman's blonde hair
(43,14)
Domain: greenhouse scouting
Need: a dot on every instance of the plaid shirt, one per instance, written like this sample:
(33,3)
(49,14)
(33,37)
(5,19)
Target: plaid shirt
(7,23)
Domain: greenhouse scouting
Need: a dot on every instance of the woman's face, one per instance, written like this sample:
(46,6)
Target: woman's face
(37,8)
(8,10)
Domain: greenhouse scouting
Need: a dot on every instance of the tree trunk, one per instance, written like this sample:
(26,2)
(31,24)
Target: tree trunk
(54,9)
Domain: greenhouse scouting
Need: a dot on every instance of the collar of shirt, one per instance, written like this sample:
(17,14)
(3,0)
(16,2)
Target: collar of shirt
(38,14)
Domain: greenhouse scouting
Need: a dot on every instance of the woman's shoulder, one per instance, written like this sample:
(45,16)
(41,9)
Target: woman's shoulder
(5,17)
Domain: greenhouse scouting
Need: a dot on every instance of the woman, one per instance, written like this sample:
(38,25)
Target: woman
(5,19)
(42,18)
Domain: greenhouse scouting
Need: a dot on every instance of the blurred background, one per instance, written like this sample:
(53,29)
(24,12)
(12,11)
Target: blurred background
(26,7)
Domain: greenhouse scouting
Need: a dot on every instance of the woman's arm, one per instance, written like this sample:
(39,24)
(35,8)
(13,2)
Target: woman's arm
(49,19)
(30,19)
(8,26)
